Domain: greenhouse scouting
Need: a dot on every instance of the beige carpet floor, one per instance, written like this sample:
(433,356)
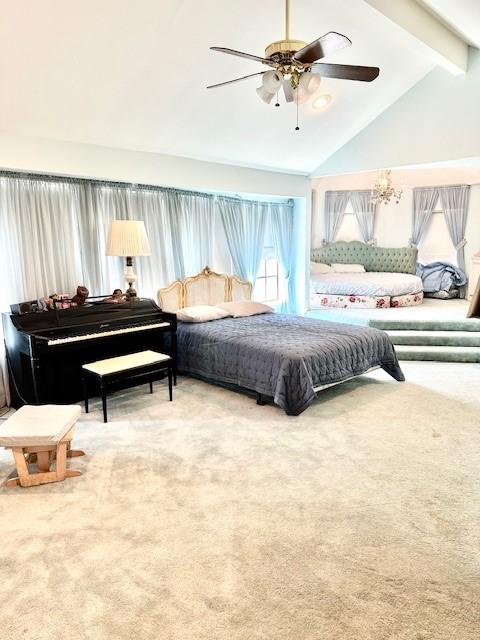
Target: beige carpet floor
(211,518)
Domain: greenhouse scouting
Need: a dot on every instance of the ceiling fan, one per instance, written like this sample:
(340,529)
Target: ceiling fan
(295,67)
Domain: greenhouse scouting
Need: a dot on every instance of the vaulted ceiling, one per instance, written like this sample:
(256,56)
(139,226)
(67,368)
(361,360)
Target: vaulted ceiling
(462,16)
(132,75)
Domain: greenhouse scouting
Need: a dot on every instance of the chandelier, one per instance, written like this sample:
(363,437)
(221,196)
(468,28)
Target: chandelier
(383,189)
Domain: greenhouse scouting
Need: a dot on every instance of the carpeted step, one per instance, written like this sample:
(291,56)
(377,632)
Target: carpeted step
(462,324)
(440,354)
(436,338)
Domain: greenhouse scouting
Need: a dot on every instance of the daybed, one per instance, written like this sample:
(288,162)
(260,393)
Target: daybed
(281,357)
(389,279)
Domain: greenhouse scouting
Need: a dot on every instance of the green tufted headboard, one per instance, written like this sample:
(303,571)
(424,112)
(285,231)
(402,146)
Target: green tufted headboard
(395,260)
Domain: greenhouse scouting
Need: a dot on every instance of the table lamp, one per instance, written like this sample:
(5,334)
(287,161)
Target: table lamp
(128,238)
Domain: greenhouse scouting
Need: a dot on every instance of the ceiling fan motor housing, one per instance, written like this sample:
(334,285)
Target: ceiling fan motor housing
(282,50)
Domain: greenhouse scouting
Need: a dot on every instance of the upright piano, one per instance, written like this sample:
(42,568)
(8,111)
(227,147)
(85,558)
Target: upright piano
(46,349)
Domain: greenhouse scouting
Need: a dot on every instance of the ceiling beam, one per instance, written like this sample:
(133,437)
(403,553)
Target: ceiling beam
(447,48)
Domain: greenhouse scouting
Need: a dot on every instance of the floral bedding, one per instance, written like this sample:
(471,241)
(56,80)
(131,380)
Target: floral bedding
(321,300)
(318,300)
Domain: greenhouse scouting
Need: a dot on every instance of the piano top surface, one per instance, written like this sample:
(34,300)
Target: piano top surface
(99,314)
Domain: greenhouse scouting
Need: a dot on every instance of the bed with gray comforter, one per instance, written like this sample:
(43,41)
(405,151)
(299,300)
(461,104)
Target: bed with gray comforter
(281,356)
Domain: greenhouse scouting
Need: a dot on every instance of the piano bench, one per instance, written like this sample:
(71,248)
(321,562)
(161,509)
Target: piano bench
(129,370)
(44,432)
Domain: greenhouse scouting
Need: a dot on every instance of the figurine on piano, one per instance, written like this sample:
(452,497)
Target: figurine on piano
(117,297)
(81,296)
(51,301)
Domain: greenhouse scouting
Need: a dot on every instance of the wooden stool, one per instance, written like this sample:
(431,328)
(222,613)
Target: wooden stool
(45,432)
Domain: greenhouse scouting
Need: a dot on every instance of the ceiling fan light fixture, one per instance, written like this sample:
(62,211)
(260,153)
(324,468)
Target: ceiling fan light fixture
(309,82)
(288,91)
(300,95)
(272,81)
(265,95)
(321,102)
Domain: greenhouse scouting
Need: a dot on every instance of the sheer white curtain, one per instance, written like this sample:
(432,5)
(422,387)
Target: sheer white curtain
(156,270)
(38,237)
(191,217)
(365,211)
(244,224)
(455,200)
(335,205)
(282,221)
(178,224)
(38,243)
(99,204)
(54,235)
(424,202)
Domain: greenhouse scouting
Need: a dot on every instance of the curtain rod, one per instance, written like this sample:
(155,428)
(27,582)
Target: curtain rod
(442,186)
(349,191)
(48,177)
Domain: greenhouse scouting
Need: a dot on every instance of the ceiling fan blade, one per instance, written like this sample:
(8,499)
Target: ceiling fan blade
(222,84)
(324,46)
(240,54)
(346,71)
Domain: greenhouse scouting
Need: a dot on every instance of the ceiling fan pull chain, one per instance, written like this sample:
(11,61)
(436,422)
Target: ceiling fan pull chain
(297,128)
(277,104)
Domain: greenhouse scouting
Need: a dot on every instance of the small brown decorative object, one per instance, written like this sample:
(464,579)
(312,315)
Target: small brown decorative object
(117,297)
(53,300)
(81,296)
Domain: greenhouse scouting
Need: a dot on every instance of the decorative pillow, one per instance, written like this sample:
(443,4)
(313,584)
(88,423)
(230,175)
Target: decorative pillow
(348,268)
(201,313)
(320,267)
(244,308)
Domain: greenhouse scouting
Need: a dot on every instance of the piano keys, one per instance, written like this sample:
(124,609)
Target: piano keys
(106,334)
(46,349)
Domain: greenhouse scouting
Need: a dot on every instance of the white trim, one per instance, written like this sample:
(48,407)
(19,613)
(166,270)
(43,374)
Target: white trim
(333,384)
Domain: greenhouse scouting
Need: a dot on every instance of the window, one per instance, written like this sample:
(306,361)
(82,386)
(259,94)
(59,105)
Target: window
(349,229)
(269,281)
(436,244)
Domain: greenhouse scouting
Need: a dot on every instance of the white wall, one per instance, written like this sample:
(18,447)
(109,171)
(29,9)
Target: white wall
(302,213)
(83,160)
(393,224)
(437,120)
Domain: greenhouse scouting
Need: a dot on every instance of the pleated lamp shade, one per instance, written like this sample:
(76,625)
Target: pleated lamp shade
(127,238)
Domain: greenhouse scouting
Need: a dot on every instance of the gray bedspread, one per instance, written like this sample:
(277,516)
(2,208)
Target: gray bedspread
(282,356)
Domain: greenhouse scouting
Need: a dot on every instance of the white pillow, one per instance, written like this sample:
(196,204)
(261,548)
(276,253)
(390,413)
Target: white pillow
(348,268)
(201,313)
(320,267)
(245,308)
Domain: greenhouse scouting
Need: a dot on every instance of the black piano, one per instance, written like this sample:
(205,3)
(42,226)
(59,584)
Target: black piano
(46,349)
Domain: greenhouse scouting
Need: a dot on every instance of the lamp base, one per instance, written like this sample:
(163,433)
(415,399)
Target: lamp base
(130,277)
(131,294)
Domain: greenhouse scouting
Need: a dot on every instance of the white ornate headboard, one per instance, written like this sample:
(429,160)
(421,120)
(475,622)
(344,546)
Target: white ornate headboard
(207,287)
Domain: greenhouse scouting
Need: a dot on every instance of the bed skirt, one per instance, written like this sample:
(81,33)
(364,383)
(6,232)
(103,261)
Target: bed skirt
(322,300)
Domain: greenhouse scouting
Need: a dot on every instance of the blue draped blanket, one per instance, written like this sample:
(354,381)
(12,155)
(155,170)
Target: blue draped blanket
(440,276)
